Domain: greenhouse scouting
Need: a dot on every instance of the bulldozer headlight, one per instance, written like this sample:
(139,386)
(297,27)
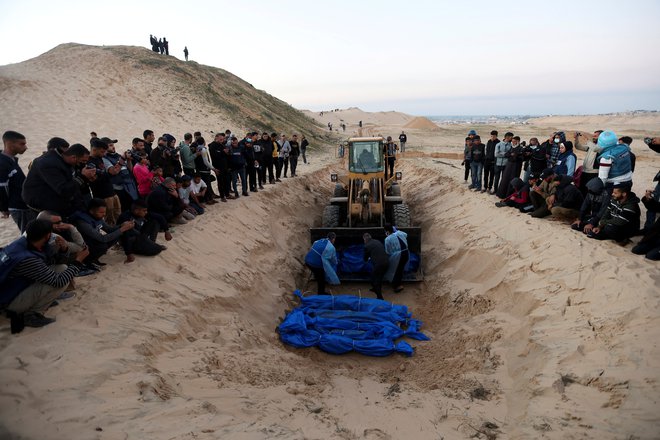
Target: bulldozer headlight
(398,175)
(333,177)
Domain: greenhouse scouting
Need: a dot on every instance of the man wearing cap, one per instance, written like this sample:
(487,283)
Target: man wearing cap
(102,187)
(622,216)
(123,182)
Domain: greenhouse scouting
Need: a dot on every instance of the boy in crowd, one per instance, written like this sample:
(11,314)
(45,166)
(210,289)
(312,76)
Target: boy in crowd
(141,239)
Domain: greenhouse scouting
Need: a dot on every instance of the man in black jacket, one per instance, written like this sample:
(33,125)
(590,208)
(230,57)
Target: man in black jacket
(489,161)
(374,250)
(11,181)
(218,151)
(266,158)
(163,200)
(51,184)
(568,199)
(650,243)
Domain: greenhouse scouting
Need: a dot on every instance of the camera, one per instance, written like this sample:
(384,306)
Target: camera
(648,140)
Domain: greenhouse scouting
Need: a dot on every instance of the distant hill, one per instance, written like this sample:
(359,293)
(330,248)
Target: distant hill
(119,91)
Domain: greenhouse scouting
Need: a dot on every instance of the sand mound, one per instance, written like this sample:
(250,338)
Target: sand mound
(422,123)
(119,91)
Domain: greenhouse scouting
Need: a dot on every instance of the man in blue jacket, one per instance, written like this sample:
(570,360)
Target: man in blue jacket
(28,285)
(322,260)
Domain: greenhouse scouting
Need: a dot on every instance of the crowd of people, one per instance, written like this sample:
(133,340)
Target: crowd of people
(76,203)
(545,179)
(160,45)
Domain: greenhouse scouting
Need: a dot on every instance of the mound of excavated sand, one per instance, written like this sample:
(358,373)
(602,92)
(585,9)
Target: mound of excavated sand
(422,123)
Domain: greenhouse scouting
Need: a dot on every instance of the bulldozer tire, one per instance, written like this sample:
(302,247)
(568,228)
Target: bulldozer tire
(331,216)
(401,216)
(340,191)
(396,190)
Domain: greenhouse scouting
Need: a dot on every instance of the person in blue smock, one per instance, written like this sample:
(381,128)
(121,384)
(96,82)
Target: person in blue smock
(322,260)
(396,246)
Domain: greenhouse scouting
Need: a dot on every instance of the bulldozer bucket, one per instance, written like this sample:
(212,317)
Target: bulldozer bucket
(353,236)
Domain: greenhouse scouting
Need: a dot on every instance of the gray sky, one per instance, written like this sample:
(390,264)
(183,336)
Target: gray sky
(421,57)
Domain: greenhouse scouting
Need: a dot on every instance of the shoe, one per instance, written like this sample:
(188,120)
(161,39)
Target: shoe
(285,177)
(484,190)
(278,180)
(246,194)
(398,289)
(224,199)
(98,263)
(94,266)
(85,271)
(66,295)
(500,204)
(236,195)
(35,319)
(261,187)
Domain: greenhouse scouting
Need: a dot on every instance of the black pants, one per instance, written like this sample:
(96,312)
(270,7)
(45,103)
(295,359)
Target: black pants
(22,217)
(650,248)
(142,242)
(377,279)
(398,275)
(498,174)
(278,167)
(267,166)
(224,183)
(611,232)
(189,171)
(206,177)
(390,165)
(125,199)
(284,165)
(251,172)
(489,174)
(97,249)
(466,164)
(319,274)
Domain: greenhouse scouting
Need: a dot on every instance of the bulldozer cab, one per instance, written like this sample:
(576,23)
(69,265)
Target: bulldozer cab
(366,156)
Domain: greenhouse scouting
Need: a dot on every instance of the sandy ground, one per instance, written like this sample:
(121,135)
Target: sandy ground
(537,331)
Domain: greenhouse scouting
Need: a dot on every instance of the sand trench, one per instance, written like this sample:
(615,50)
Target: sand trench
(195,354)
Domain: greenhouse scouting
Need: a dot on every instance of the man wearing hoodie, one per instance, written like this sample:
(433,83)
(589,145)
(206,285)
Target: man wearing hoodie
(593,207)
(621,218)
(568,199)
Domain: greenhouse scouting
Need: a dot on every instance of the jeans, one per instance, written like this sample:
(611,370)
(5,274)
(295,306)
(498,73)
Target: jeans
(476,168)
(234,176)
(284,165)
(403,146)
